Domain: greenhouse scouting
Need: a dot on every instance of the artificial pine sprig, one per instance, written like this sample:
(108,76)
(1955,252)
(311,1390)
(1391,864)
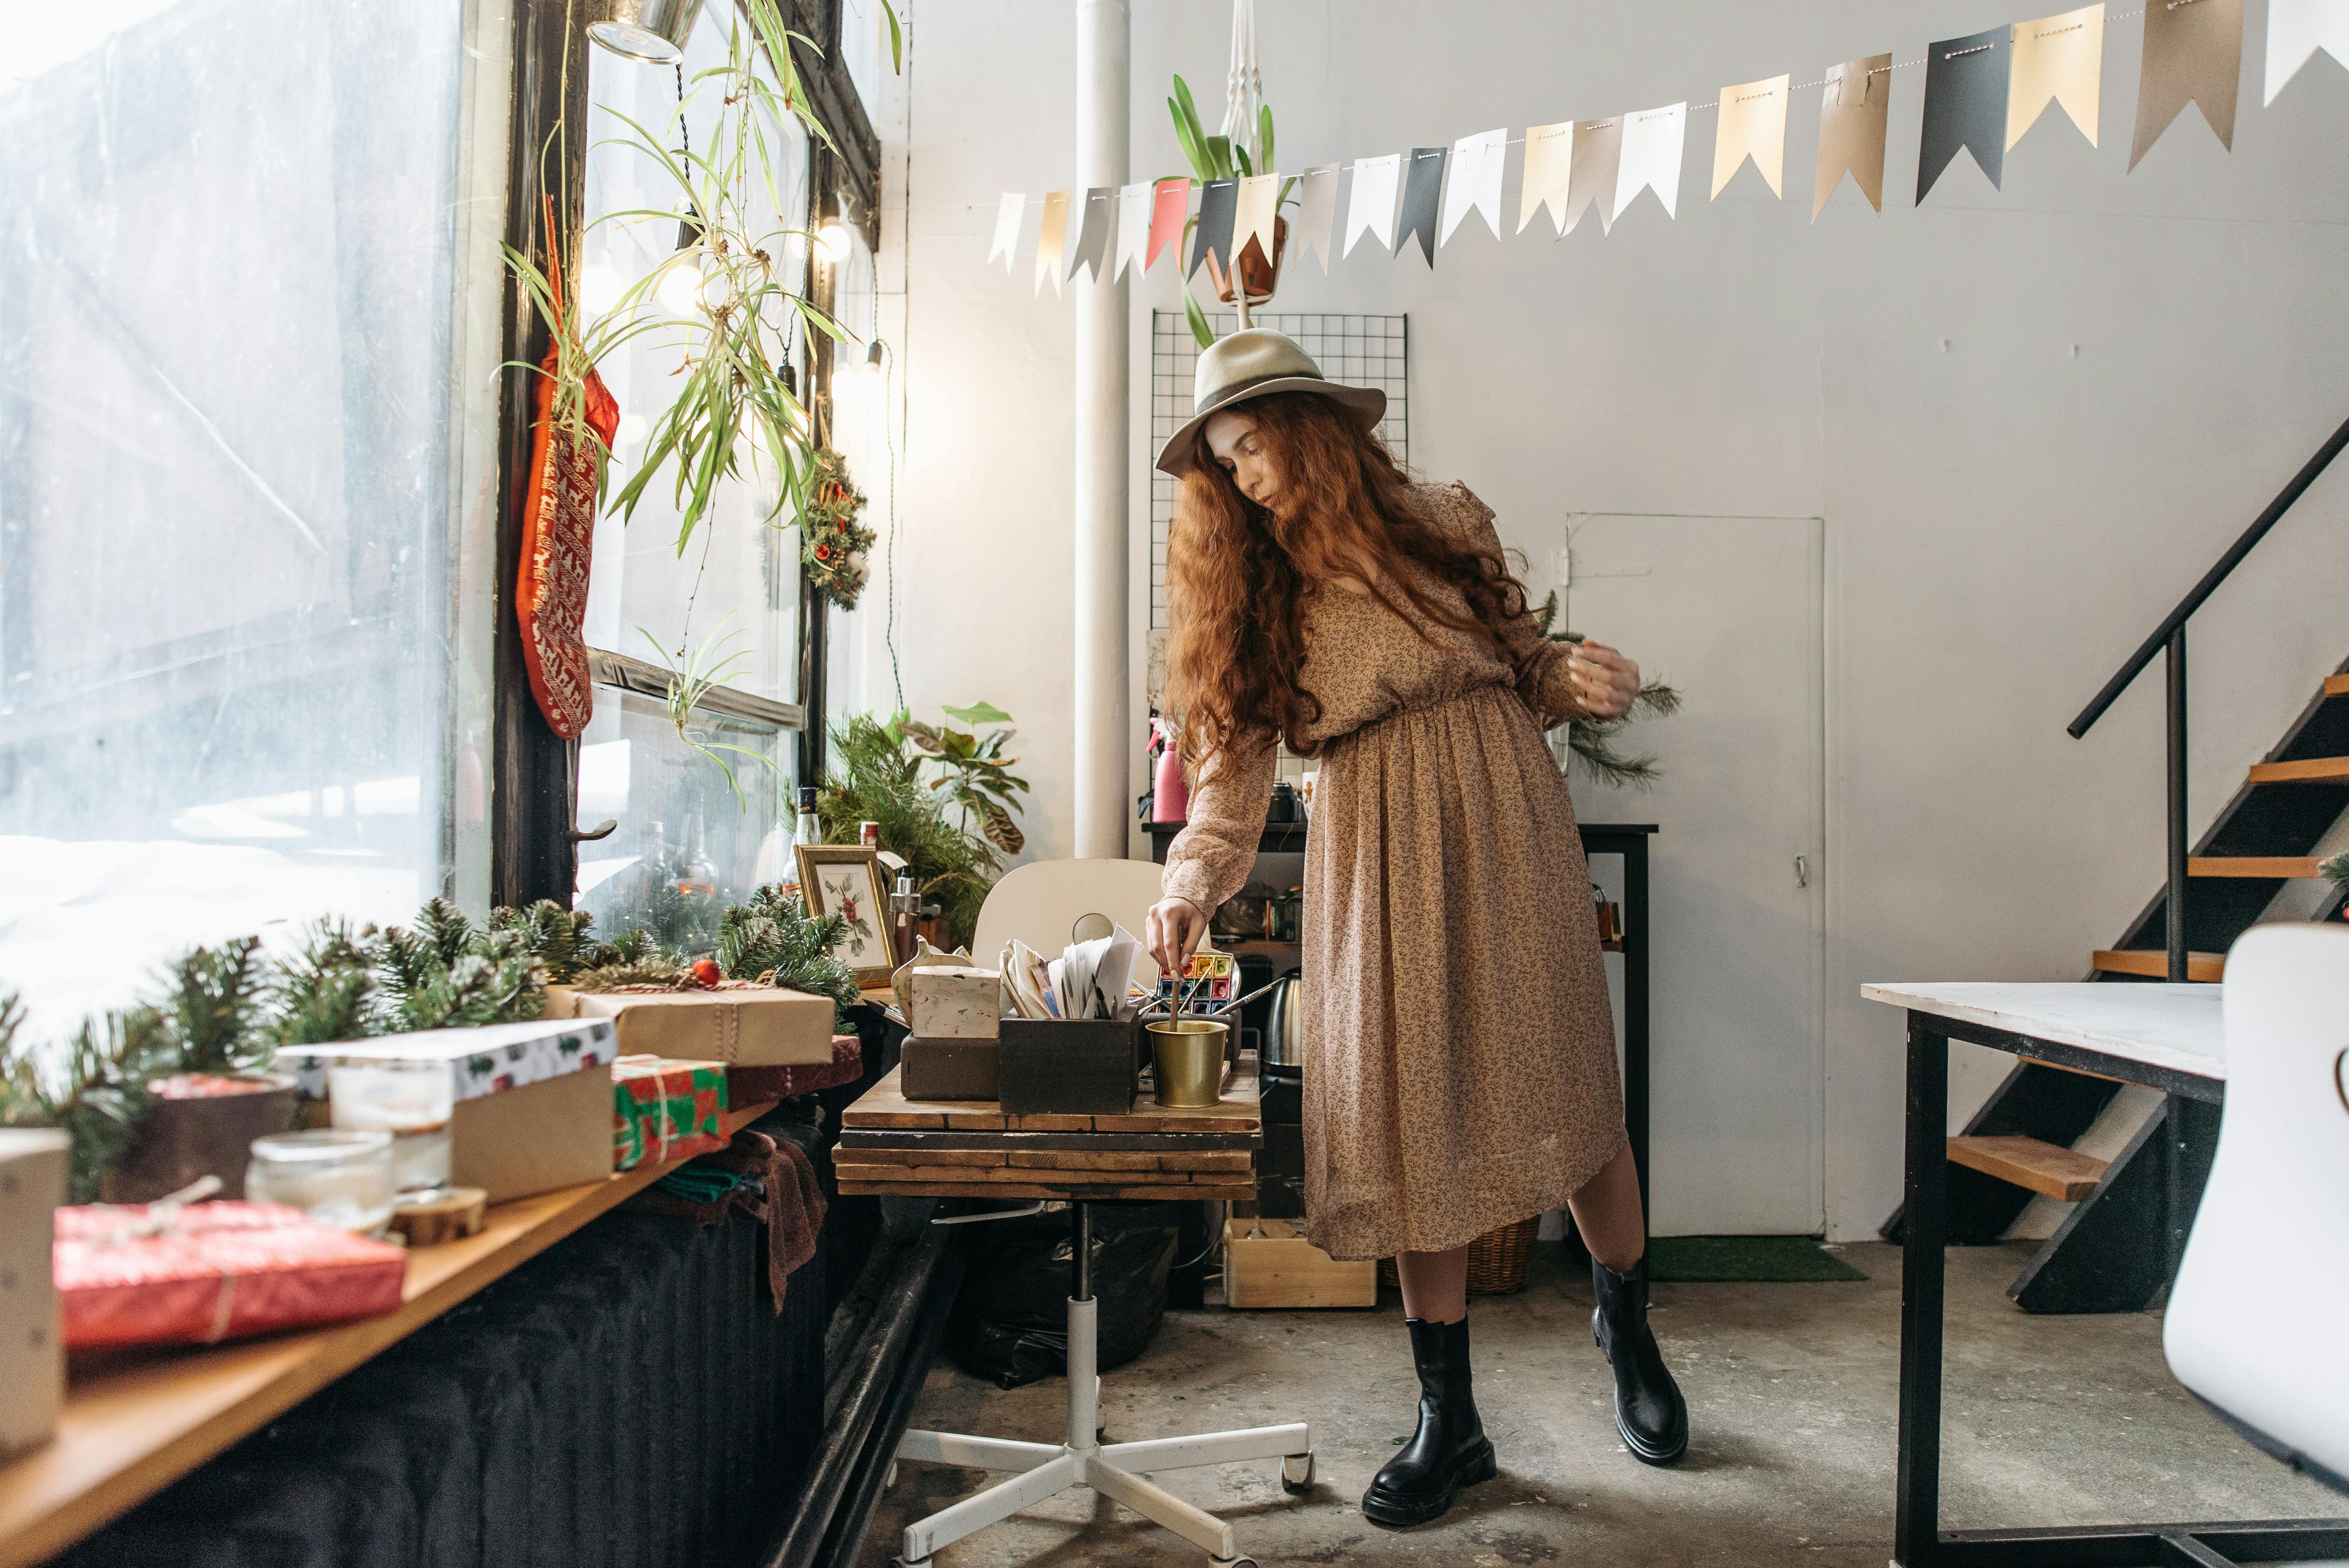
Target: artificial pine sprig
(325,992)
(97,1098)
(1590,741)
(211,1009)
(772,937)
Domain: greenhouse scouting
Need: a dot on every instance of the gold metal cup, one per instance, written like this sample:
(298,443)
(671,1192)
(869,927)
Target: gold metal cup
(1188,1058)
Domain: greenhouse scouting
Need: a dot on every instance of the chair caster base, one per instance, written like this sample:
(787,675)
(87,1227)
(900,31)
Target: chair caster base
(1297,1474)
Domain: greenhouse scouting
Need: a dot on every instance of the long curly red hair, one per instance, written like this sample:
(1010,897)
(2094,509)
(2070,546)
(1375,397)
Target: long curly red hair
(1239,576)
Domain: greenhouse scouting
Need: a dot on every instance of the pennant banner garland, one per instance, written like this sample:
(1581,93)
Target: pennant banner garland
(1049,239)
(1752,125)
(1317,215)
(1007,229)
(1549,165)
(1853,119)
(1651,157)
(1982,95)
(1421,190)
(1170,206)
(2296,30)
(2058,59)
(2193,53)
(1372,209)
(1598,160)
(1133,225)
(1099,218)
(1475,184)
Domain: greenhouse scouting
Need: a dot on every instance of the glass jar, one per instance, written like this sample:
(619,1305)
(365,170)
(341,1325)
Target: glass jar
(411,1101)
(340,1177)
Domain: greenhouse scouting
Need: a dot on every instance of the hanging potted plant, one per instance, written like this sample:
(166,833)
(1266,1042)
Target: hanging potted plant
(1253,276)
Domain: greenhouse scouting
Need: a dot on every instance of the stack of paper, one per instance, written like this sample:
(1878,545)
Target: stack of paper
(1089,980)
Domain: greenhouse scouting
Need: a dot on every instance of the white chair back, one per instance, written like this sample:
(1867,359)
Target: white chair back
(1049,904)
(2258,1322)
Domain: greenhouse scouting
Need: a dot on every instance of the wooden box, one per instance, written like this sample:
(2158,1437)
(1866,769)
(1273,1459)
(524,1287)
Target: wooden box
(951,1070)
(1076,1066)
(1279,1267)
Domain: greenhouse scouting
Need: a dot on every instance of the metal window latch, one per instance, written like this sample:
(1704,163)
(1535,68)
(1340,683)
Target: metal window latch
(602,830)
(1801,871)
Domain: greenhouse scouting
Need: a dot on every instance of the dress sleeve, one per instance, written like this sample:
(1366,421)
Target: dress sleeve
(1210,858)
(1540,663)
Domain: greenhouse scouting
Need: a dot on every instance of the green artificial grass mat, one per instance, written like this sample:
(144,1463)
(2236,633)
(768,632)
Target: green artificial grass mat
(1790,1259)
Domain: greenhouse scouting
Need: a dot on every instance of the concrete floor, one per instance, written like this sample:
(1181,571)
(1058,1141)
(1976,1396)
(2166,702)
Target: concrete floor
(1793,1397)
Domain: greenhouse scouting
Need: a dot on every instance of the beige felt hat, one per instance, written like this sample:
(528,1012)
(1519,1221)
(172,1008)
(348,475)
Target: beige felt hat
(1251,363)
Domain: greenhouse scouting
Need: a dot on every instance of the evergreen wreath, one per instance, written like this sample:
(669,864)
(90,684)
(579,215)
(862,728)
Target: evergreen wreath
(832,543)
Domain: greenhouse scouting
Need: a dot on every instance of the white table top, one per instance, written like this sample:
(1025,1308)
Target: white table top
(2177,1026)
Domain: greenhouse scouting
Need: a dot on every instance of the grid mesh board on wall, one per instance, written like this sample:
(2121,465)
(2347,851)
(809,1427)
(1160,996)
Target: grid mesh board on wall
(1359,350)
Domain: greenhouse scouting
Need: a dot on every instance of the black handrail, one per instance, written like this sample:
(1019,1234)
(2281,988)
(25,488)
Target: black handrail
(2170,635)
(2211,581)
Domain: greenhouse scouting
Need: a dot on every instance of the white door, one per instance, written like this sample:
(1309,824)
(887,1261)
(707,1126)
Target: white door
(1729,610)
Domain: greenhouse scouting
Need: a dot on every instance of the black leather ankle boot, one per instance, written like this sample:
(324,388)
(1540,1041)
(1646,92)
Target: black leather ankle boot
(1649,1413)
(1450,1449)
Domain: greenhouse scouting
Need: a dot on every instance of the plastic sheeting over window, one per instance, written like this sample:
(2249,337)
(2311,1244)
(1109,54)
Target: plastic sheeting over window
(239,405)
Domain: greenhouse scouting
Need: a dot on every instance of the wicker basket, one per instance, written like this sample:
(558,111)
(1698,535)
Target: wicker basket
(1497,1260)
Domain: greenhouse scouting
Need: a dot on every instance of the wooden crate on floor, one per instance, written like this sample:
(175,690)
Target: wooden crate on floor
(1277,1267)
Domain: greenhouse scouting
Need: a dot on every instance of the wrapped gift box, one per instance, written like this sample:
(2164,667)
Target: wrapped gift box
(534,1101)
(750,1085)
(733,1022)
(164,1274)
(665,1109)
(31,1358)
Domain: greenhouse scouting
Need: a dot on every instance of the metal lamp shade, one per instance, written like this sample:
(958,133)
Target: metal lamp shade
(653,31)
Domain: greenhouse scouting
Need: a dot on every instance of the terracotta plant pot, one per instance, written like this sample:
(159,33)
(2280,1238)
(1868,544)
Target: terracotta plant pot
(1261,275)
(212,1135)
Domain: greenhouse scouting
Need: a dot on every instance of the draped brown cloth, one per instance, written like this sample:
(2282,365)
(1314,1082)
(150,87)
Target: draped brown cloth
(1460,1068)
(788,1199)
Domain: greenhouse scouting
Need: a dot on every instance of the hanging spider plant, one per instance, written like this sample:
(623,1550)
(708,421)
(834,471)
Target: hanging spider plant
(1219,157)
(692,676)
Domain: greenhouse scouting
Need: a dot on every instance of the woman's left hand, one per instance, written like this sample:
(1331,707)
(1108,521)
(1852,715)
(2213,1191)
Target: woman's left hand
(1604,681)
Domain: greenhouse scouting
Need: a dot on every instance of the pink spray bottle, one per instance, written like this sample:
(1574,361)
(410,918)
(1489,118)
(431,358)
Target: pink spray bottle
(1170,799)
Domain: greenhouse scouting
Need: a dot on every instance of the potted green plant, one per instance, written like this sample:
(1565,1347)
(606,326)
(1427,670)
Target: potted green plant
(1253,276)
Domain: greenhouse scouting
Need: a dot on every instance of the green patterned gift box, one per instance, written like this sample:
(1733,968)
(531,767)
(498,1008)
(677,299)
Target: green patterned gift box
(665,1110)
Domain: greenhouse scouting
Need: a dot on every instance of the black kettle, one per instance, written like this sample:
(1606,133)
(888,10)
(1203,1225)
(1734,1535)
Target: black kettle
(1283,1057)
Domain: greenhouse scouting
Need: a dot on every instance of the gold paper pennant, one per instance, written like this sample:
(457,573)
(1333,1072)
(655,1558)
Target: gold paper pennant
(1753,124)
(1050,241)
(1549,172)
(1853,115)
(2059,59)
(2193,53)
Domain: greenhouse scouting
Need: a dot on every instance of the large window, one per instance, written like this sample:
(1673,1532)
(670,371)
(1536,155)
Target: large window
(687,840)
(246,473)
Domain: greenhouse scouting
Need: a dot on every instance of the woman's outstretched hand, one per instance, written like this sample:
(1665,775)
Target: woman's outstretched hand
(1173,931)
(1604,681)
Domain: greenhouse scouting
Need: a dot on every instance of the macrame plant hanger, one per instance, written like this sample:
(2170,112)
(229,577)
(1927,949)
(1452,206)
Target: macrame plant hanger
(1243,96)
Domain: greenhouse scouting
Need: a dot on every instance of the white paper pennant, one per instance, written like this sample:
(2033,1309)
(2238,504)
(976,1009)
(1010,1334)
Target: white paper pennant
(1258,209)
(1317,215)
(1007,229)
(1549,166)
(1133,225)
(1476,181)
(1377,183)
(1651,156)
(2296,30)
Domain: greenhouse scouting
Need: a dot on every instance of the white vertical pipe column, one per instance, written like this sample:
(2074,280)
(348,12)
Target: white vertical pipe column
(1103,793)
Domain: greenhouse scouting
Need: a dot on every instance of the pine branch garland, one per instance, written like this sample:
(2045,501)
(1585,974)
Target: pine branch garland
(1591,742)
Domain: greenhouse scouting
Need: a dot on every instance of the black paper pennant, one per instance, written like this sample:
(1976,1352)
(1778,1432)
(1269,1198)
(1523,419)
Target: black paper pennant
(1965,105)
(1219,200)
(1423,193)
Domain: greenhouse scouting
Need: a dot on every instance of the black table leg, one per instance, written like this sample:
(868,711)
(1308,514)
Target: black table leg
(1635,1005)
(1916,1539)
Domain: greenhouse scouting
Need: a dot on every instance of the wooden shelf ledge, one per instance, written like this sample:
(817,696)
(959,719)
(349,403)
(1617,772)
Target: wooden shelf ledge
(2209,967)
(2048,1168)
(2284,867)
(2309,771)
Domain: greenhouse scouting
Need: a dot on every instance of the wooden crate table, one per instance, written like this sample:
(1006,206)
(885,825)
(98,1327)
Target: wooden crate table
(892,1146)
(968,1149)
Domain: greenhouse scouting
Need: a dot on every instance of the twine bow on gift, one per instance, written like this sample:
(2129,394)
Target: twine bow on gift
(161,1218)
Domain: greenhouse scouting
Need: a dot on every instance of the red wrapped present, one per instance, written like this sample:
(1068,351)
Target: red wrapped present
(165,1275)
(665,1110)
(749,1085)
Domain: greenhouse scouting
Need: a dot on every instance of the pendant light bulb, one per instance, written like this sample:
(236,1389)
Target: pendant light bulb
(831,242)
(680,288)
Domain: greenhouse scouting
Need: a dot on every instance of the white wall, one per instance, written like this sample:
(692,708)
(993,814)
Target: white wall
(2031,419)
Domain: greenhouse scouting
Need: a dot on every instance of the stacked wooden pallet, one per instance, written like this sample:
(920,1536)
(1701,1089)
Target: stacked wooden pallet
(889,1144)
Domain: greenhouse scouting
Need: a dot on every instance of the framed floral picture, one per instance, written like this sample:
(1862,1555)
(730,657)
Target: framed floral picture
(845,880)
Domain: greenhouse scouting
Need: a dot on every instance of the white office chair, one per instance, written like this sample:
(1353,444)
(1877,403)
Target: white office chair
(2258,1324)
(1049,904)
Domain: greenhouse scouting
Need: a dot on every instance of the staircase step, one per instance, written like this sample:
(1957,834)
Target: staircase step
(2313,771)
(2337,686)
(2033,1163)
(2204,966)
(2285,866)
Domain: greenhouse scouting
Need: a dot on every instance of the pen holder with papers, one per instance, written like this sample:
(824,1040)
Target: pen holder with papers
(1070,1067)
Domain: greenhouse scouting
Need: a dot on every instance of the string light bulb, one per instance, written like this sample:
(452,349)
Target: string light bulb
(831,242)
